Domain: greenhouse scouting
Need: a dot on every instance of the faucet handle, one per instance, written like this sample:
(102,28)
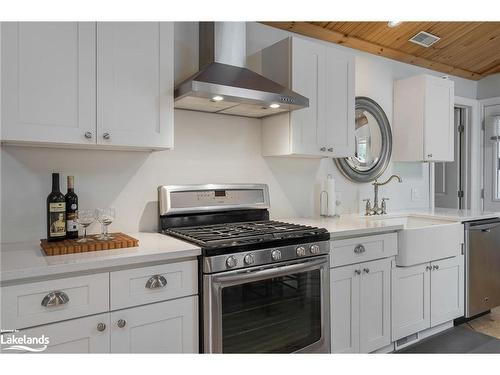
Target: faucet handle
(384,205)
(368,207)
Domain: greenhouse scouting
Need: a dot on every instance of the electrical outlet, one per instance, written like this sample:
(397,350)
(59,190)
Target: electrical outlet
(415,194)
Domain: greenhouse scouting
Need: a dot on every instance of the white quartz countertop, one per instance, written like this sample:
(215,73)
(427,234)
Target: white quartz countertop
(348,225)
(357,224)
(448,213)
(23,260)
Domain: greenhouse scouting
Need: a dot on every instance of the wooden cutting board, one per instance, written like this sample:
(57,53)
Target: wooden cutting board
(120,241)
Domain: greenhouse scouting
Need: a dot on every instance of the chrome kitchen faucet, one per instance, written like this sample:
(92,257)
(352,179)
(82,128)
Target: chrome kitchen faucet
(376,210)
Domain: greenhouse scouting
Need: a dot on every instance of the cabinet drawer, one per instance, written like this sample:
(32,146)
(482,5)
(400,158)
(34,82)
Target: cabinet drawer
(32,304)
(362,249)
(139,286)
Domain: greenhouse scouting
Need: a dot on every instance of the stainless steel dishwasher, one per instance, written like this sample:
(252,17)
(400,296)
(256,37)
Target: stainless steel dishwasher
(482,266)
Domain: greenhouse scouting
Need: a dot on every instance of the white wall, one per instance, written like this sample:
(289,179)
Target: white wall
(489,87)
(208,148)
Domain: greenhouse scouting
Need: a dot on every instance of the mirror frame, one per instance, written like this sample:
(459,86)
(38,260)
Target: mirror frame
(370,105)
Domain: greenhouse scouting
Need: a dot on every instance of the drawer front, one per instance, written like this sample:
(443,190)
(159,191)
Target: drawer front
(362,249)
(139,286)
(32,304)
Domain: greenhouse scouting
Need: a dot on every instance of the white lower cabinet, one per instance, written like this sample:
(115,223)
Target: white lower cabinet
(72,336)
(165,327)
(426,295)
(360,307)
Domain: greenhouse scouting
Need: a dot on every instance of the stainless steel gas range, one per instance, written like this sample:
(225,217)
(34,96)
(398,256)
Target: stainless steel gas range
(264,285)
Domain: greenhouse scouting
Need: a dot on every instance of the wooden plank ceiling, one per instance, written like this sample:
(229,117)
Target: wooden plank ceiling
(466,49)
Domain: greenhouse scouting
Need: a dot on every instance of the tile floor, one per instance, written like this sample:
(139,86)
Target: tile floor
(488,324)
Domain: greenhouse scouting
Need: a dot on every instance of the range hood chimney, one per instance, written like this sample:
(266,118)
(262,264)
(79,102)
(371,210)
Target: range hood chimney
(224,85)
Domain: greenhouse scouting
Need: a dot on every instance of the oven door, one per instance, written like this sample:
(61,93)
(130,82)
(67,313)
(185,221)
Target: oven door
(280,308)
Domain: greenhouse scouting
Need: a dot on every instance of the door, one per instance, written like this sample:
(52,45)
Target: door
(410,300)
(48,82)
(308,79)
(164,327)
(135,84)
(280,309)
(447,290)
(438,119)
(344,306)
(491,182)
(375,305)
(339,105)
(451,178)
(82,335)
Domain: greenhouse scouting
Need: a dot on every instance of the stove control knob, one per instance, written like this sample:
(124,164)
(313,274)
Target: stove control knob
(300,251)
(314,249)
(276,255)
(248,259)
(231,262)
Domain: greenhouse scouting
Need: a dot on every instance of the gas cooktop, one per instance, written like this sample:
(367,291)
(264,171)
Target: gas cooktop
(246,235)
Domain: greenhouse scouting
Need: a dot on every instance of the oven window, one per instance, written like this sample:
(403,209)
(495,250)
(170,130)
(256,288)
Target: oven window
(279,315)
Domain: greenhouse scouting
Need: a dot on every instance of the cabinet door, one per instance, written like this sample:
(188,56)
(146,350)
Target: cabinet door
(438,121)
(48,82)
(165,327)
(135,84)
(72,336)
(344,304)
(308,79)
(410,300)
(375,305)
(339,106)
(447,290)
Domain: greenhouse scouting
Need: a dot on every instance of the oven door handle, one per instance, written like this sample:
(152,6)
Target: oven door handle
(256,274)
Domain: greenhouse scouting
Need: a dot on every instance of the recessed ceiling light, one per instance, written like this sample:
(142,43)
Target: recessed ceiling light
(217,98)
(274,105)
(393,23)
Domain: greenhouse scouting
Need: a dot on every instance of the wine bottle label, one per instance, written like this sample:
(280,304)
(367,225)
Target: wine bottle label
(71,224)
(57,217)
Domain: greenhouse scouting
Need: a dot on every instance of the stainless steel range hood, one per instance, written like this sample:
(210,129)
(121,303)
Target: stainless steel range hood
(224,85)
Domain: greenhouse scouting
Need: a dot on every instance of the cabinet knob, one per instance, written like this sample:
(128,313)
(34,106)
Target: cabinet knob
(366,270)
(330,149)
(429,155)
(436,267)
(121,323)
(359,249)
(88,135)
(428,268)
(106,136)
(101,327)
(322,149)
(357,272)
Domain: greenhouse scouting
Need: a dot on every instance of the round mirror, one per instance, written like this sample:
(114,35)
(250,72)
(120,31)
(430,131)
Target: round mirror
(373,143)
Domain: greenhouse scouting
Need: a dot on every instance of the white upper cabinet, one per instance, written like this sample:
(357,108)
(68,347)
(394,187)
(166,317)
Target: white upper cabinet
(77,83)
(135,84)
(323,74)
(423,124)
(48,82)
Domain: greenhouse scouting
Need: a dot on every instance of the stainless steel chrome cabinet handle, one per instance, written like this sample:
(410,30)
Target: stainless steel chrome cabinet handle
(101,327)
(322,149)
(106,136)
(56,298)
(121,323)
(156,282)
(359,249)
(366,270)
(330,149)
(88,135)
(357,272)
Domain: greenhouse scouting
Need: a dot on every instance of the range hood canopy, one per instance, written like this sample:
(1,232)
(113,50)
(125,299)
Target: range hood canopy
(224,85)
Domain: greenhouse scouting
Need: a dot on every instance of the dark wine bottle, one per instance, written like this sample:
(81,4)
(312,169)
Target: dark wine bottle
(71,209)
(56,212)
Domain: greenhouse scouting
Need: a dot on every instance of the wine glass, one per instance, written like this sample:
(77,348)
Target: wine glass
(85,217)
(105,216)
